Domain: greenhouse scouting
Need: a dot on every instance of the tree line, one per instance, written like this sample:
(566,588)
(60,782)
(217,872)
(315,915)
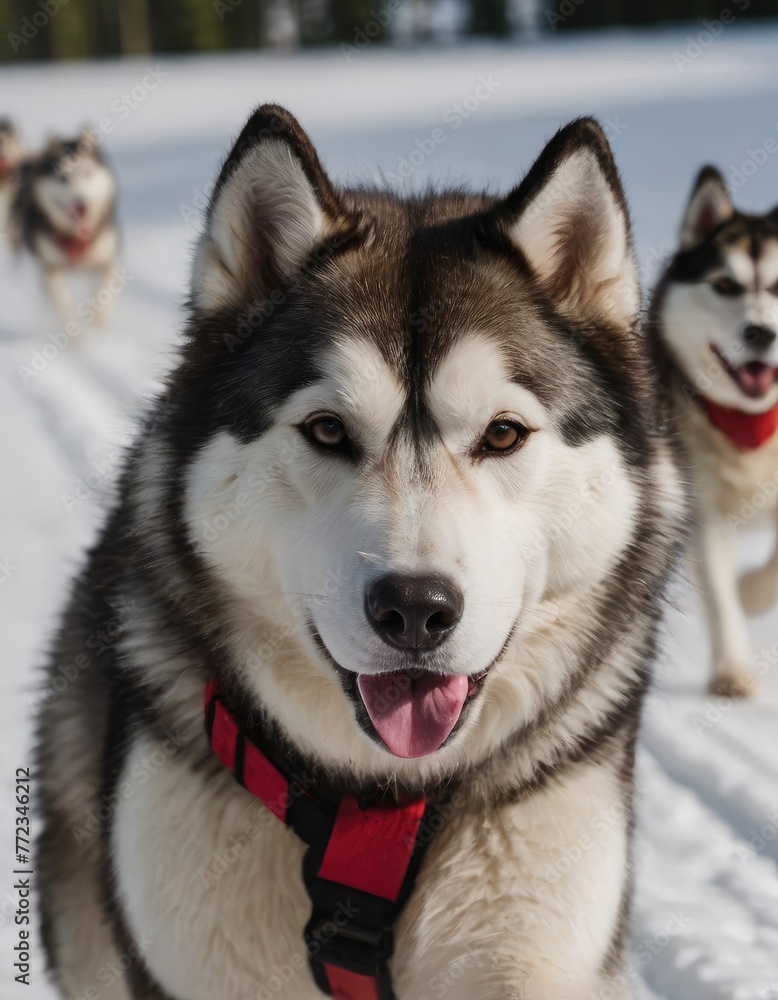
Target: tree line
(77,29)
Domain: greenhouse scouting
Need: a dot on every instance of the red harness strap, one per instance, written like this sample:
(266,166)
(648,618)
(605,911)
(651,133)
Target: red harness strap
(359,869)
(746,431)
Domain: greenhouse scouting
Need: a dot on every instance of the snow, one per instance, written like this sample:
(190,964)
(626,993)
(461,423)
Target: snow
(706,911)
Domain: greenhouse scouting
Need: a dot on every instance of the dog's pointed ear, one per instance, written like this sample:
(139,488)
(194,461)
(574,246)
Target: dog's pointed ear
(709,206)
(569,219)
(272,205)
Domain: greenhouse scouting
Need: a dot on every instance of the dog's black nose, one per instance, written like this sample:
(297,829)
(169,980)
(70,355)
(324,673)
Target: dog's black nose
(414,612)
(761,337)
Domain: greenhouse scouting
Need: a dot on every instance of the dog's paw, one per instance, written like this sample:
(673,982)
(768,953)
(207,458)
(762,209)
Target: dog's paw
(759,590)
(737,684)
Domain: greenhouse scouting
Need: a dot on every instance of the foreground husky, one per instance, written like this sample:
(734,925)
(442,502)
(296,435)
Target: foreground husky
(12,151)
(65,215)
(715,327)
(396,535)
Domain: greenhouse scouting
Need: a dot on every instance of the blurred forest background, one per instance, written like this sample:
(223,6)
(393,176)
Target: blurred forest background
(76,29)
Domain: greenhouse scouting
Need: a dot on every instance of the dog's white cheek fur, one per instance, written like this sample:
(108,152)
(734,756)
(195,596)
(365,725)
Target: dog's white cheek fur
(694,319)
(591,512)
(550,867)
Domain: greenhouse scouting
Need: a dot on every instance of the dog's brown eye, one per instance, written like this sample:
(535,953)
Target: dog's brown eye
(726,286)
(503,436)
(326,430)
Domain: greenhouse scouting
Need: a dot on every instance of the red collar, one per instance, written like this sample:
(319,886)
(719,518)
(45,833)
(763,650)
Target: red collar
(745,431)
(74,247)
(359,869)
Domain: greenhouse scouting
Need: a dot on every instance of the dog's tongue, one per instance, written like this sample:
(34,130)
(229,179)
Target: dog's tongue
(413,715)
(756,379)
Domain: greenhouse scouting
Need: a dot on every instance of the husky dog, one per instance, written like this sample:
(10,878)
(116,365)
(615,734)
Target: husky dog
(407,502)
(65,215)
(715,329)
(12,152)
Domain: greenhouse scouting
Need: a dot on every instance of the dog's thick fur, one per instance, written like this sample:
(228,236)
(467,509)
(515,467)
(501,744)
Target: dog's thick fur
(64,214)
(714,311)
(240,547)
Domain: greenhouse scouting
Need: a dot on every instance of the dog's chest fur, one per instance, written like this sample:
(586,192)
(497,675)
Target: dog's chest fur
(726,476)
(225,907)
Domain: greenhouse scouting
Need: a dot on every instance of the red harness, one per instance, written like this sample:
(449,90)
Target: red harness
(359,869)
(746,431)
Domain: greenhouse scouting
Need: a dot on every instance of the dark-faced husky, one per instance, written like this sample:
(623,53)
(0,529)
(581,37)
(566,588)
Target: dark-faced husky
(715,327)
(390,551)
(65,215)
(12,152)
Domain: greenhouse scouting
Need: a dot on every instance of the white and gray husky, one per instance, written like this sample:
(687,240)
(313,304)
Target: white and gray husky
(64,214)
(391,550)
(715,330)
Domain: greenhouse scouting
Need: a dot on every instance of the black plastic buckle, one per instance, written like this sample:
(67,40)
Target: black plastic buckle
(348,929)
(348,945)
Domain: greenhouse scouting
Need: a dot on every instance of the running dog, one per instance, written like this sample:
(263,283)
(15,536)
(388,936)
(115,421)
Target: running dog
(714,325)
(64,214)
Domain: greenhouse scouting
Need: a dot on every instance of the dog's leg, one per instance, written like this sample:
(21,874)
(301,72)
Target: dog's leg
(717,571)
(59,293)
(105,309)
(759,588)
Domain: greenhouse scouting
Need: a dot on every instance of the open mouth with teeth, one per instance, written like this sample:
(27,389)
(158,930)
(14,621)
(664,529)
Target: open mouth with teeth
(754,379)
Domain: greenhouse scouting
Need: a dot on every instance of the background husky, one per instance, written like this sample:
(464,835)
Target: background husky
(65,215)
(12,150)
(405,497)
(715,325)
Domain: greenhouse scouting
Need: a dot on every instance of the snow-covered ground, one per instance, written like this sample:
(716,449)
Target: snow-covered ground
(706,916)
